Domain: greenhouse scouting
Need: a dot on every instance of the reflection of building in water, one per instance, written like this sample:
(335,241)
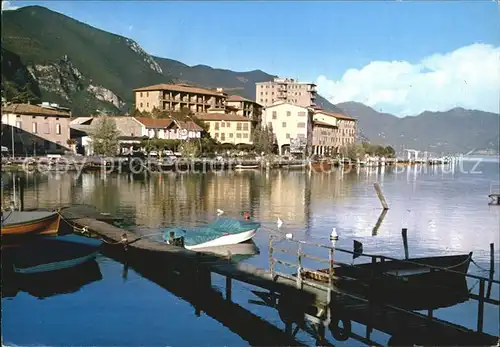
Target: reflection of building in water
(330,186)
(229,192)
(285,196)
(48,190)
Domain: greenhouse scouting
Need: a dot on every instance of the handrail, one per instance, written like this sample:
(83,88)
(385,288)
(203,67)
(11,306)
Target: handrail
(396,259)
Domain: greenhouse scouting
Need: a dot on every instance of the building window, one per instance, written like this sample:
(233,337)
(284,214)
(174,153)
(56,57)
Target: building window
(140,105)
(34,128)
(230,135)
(217,126)
(288,113)
(245,135)
(147,94)
(238,126)
(269,124)
(147,104)
(275,116)
(216,134)
(223,136)
(238,135)
(302,114)
(228,125)
(287,136)
(58,129)
(222,124)
(301,125)
(245,126)
(140,94)
(283,124)
(46,128)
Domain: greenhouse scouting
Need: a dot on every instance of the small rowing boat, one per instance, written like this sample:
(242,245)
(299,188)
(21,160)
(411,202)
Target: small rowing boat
(220,232)
(246,167)
(22,223)
(51,253)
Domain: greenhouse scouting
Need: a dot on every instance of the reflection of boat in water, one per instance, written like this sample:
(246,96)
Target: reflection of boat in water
(238,252)
(46,284)
(408,284)
(220,232)
(50,253)
(30,222)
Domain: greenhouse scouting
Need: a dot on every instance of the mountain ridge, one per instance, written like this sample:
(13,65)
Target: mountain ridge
(48,55)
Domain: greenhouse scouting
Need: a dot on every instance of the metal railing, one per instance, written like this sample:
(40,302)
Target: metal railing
(483,296)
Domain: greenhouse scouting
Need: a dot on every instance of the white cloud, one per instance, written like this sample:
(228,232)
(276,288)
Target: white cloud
(7,6)
(468,77)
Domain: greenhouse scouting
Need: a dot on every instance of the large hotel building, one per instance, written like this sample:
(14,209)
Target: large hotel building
(286,90)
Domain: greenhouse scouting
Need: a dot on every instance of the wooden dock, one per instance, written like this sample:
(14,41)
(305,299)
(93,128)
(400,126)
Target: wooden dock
(296,297)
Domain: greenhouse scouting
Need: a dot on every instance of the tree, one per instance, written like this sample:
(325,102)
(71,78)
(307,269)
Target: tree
(105,137)
(390,152)
(355,151)
(189,148)
(263,139)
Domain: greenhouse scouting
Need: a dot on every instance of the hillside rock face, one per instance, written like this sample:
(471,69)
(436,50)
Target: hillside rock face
(60,77)
(145,56)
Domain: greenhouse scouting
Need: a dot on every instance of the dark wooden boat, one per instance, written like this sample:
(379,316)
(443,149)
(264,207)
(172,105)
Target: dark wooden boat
(415,284)
(22,223)
(320,165)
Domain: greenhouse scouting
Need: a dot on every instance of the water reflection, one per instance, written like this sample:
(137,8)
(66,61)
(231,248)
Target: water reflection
(441,207)
(47,284)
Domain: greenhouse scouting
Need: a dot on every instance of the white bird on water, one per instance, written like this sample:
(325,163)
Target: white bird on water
(279,222)
(220,212)
(288,236)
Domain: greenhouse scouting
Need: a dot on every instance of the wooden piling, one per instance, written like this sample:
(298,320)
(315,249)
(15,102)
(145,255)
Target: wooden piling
(404,232)
(20,181)
(480,308)
(492,269)
(381,196)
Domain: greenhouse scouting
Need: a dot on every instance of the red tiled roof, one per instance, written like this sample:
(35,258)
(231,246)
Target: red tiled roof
(222,116)
(336,115)
(33,110)
(154,123)
(189,125)
(180,88)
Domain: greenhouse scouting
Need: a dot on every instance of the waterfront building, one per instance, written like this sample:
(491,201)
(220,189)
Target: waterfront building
(37,128)
(286,90)
(175,97)
(244,107)
(228,127)
(332,132)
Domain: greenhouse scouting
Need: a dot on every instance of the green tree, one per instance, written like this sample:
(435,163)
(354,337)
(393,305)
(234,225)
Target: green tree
(355,151)
(390,152)
(189,148)
(263,139)
(105,137)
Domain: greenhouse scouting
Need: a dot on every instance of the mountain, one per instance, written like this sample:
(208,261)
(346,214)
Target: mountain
(47,56)
(86,68)
(455,131)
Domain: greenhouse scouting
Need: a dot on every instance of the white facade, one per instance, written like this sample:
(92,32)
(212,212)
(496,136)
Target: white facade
(289,122)
(321,116)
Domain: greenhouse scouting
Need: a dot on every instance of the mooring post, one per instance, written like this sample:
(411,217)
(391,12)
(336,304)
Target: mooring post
(228,280)
(480,308)
(331,274)
(404,233)
(380,196)
(172,237)
(299,266)
(492,269)
(271,260)
(21,193)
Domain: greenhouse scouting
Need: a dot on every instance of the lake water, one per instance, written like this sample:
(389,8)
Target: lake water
(445,210)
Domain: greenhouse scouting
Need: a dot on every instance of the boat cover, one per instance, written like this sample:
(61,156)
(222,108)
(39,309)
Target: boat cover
(211,231)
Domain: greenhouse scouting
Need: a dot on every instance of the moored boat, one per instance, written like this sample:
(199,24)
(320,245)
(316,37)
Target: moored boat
(51,253)
(220,232)
(246,167)
(320,165)
(22,223)
(415,283)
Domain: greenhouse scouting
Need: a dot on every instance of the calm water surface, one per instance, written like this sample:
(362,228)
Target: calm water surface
(445,210)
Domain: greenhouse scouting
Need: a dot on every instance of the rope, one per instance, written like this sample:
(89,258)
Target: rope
(479,266)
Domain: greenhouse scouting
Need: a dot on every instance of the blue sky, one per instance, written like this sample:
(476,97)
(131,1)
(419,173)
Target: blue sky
(304,40)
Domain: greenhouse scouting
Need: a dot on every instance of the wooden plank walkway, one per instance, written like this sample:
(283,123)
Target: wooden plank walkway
(390,320)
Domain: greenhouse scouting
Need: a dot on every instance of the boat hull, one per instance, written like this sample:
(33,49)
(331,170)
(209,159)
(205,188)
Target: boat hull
(404,284)
(49,253)
(246,167)
(225,240)
(320,166)
(30,222)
